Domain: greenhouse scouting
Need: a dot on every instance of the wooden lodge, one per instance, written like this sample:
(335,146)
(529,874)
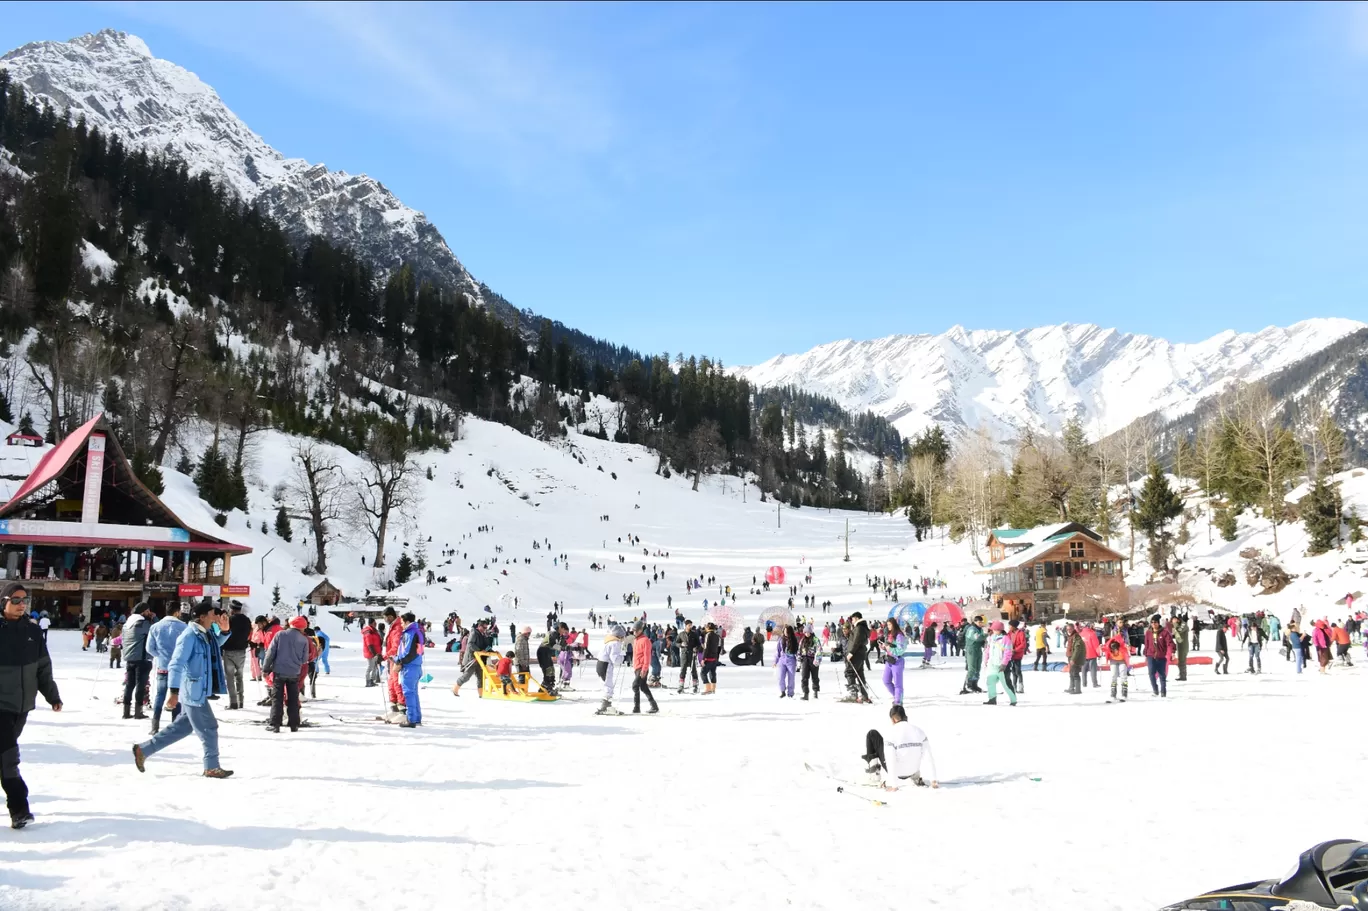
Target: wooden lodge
(1052,570)
(325,594)
(90,539)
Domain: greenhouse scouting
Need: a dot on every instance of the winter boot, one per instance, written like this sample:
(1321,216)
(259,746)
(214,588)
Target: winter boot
(1125,687)
(990,702)
(1112,697)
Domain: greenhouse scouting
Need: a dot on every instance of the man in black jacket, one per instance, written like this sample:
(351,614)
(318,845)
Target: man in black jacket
(857,650)
(689,644)
(25,671)
(235,653)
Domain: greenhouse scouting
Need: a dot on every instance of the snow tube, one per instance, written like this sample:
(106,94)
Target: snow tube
(943,612)
(743,655)
(911,612)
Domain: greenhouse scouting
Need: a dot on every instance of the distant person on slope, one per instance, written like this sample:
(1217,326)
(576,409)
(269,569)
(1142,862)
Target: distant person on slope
(899,752)
(25,671)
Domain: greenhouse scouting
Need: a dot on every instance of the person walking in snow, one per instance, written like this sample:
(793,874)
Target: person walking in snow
(974,639)
(137,663)
(786,661)
(1041,637)
(856,656)
(25,672)
(1253,638)
(565,659)
(1320,637)
(477,641)
(610,656)
(641,669)
(689,645)
(1077,652)
(1092,650)
(999,662)
(522,653)
(1222,650)
(711,655)
(899,752)
(287,661)
(1117,649)
(1180,644)
(194,674)
(409,663)
(161,644)
(894,658)
(1158,644)
(810,658)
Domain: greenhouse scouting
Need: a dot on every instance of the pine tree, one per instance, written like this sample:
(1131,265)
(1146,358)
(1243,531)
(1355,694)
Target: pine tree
(1322,518)
(420,555)
(1158,505)
(26,425)
(403,570)
(275,595)
(1226,524)
(282,524)
(147,471)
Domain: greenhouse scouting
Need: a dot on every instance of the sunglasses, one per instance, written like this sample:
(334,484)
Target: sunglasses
(21,600)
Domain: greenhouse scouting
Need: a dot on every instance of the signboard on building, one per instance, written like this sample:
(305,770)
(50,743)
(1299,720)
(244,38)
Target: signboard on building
(236,591)
(77,531)
(94,479)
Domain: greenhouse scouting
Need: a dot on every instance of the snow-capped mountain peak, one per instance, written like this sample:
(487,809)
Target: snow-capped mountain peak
(112,80)
(1039,378)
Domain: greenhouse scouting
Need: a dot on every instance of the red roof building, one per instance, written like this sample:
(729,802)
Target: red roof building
(90,538)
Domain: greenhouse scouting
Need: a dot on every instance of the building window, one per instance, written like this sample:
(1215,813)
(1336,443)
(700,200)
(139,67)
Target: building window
(1075,549)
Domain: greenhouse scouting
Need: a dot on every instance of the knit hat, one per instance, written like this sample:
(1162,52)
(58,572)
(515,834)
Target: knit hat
(617,632)
(639,626)
(996,626)
(299,622)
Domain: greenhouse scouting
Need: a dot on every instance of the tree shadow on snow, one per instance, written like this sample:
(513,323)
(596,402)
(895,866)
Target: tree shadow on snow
(113,831)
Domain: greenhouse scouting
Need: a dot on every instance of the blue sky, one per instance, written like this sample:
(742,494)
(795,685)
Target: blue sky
(741,181)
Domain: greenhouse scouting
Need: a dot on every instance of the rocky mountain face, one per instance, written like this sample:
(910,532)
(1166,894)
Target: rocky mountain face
(112,80)
(1040,378)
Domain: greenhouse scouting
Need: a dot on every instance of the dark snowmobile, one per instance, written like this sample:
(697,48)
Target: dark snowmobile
(1333,874)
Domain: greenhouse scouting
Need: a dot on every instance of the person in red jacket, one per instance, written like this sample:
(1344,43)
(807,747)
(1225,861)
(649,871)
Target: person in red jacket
(273,629)
(1118,656)
(641,667)
(1018,639)
(1158,645)
(1092,651)
(394,631)
(371,649)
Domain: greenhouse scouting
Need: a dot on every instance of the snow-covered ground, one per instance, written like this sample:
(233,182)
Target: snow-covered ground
(517,806)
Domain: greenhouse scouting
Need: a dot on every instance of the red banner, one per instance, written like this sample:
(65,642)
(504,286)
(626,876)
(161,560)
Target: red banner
(190,591)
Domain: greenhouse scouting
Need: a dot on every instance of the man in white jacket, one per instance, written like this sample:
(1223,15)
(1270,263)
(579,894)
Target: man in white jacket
(900,752)
(609,659)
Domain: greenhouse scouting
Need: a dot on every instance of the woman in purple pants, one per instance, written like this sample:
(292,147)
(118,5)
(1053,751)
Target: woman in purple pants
(894,648)
(787,662)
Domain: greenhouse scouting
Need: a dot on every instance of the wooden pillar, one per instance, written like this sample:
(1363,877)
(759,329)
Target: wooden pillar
(227,565)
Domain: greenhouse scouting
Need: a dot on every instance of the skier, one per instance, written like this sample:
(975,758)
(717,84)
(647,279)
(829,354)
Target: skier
(641,669)
(409,666)
(810,657)
(899,752)
(25,671)
(999,649)
(287,661)
(197,667)
(394,633)
(1118,656)
(786,660)
(894,661)
(973,656)
(855,659)
(610,658)
(690,643)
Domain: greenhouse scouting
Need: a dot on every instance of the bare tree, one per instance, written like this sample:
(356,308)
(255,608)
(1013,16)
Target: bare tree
(49,362)
(1106,466)
(1271,449)
(1207,452)
(314,493)
(173,354)
(1048,474)
(1135,447)
(973,493)
(705,449)
(386,488)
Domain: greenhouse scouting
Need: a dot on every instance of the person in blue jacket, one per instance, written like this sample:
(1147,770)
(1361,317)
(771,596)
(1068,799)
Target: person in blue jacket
(410,661)
(161,644)
(324,644)
(194,675)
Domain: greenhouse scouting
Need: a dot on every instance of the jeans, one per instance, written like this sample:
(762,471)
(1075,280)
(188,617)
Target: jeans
(159,700)
(373,670)
(1014,676)
(1090,667)
(1300,656)
(710,672)
(197,718)
(1255,659)
(135,681)
(16,791)
(285,701)
(232,667)
(1158,675)
(996,677)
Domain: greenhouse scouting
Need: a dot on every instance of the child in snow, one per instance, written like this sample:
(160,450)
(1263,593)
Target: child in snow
(505,671)
(116,651)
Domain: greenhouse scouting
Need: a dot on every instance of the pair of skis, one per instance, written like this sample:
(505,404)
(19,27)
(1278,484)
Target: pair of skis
(842,784)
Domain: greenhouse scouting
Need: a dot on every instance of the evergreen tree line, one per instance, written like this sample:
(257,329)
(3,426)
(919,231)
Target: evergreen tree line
(154,341)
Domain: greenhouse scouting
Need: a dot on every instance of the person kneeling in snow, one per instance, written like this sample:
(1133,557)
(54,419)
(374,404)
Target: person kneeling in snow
(900,752)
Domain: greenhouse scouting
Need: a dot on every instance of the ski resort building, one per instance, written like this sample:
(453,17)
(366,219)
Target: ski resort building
(89,538)
(1054,570)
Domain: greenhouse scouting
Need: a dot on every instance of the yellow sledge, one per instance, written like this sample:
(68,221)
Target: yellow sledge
(524,687)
